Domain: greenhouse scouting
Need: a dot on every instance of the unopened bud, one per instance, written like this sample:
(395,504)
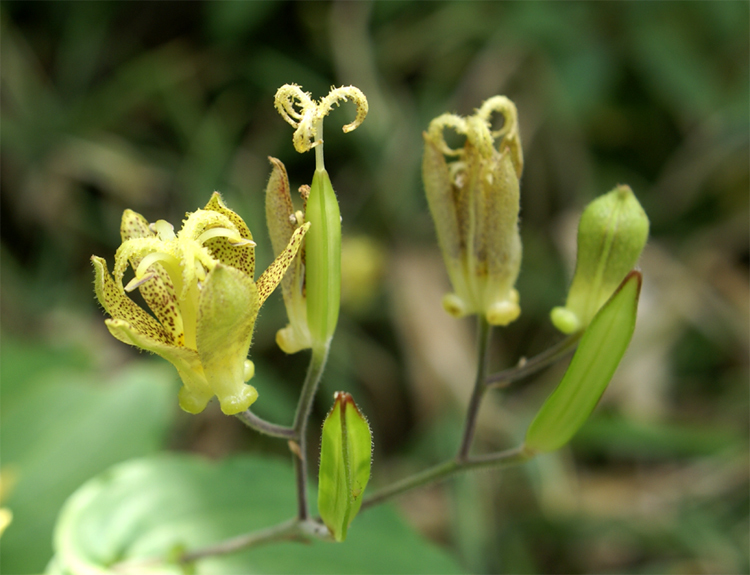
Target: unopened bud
(611,236)
(345,455)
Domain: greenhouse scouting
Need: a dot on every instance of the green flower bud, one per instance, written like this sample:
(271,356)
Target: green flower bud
(598,354)
(345,457)
(474,202)
(611,236)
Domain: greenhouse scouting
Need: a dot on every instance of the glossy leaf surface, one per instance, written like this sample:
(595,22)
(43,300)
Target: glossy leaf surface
(151,506)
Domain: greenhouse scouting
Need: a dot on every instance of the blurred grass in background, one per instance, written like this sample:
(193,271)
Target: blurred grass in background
(153,105)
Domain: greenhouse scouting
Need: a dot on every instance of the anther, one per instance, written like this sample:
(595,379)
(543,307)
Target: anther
(137,282)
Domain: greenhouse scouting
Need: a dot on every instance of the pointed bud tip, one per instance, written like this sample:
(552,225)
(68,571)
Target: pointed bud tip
(345,399)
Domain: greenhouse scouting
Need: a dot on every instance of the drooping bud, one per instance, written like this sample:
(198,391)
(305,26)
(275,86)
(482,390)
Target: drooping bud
(474,202)
(598,354)
(611,236)
(345,456)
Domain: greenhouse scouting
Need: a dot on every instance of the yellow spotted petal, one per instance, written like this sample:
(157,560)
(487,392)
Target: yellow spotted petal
(240,257)
(119,306)
(282,222)
(270,278)
(279,209)
(229,305)
(158,291)
(134,225)
(196,392)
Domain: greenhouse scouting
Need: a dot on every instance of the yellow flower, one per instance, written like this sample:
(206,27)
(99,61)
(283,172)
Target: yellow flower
(199,285)
(474,201)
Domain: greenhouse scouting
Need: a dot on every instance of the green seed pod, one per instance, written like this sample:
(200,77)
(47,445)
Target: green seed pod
(323,259)
(599,353)
(345,456)
(611,236)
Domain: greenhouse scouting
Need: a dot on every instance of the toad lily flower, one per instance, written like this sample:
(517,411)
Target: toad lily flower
(474,201)
(199,285)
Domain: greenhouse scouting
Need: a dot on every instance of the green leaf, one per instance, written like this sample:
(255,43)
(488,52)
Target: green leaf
(599,353)
(152,506)
(345,455)
(63,426)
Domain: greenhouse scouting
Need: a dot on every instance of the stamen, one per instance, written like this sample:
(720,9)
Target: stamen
(164,230)
(232,236)
(200,271)
(137,282)
(171,264)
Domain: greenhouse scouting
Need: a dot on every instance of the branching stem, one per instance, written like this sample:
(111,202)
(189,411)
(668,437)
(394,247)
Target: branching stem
(529,367)
(445,470)
(301,418)
(265,427)
(303,527)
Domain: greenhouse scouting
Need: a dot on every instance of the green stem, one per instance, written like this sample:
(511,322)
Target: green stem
(301,418)
(480,387)
(286,530)
(266,427)
(445,470)
(528,367)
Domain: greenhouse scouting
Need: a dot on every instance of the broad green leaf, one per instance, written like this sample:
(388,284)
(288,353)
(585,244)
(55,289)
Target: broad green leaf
(599,353)
(149,507)
(61,427)
(345,454)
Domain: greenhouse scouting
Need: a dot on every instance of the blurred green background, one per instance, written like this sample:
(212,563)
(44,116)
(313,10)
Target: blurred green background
(153,105)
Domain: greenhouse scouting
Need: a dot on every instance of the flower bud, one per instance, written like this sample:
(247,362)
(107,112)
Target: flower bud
(598,354)
(611,235)
(345,456)
(474,202)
